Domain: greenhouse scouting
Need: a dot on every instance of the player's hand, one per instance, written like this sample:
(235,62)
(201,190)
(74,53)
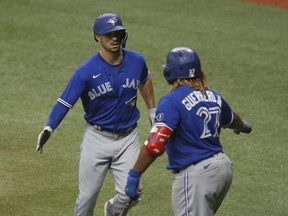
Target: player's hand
(132,186)
(43,137)
(152,115)
(246,129)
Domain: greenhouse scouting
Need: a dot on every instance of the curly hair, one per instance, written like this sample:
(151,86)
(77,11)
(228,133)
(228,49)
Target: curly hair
(199,83)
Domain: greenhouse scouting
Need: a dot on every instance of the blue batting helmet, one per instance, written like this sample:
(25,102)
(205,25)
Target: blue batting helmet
(109,22)
(182,62)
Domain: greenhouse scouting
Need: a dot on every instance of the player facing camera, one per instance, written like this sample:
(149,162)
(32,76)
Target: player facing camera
(107,83)
(110,25)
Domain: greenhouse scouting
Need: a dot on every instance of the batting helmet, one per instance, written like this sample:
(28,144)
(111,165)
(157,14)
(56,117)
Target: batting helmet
(182,62)
(109,22)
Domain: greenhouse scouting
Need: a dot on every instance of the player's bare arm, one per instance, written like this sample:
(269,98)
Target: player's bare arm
(147,92)
(239,125)
(153,148)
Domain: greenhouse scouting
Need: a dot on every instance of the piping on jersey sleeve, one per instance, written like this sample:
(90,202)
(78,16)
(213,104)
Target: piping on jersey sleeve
(148,76)
(231,121)
(164,125)
(65,103)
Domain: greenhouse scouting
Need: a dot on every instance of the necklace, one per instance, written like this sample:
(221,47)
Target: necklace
(110,59)
(119,60)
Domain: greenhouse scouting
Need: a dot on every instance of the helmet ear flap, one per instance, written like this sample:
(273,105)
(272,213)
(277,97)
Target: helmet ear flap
(124,40)
(167,74)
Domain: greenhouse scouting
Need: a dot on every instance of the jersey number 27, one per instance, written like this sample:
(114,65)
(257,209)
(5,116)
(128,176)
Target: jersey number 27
(211,121)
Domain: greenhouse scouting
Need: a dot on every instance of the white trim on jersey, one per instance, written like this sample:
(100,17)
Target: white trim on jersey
(163,124)
(149,75)
(232,119)
(65,103)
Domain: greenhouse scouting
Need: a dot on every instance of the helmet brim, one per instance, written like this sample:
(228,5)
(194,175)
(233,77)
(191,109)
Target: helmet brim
(117,28)
(106,31)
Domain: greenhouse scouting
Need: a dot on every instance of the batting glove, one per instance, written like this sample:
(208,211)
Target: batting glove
(152,115)
(132,185)
(43,137)
(246,129)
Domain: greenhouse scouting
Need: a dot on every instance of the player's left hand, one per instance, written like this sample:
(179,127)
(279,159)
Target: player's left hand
(152,115)
(43,138)
(247,128)
(132,186)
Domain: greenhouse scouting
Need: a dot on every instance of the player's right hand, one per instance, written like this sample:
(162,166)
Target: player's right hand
(132,185)
(43,137)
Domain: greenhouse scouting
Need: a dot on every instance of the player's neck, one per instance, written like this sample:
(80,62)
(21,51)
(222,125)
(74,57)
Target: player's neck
(111,58)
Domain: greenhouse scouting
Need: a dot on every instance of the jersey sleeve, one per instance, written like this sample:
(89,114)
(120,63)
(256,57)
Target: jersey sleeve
(167,113)
(227,116)
(57,114)
(73,91)
(145,72)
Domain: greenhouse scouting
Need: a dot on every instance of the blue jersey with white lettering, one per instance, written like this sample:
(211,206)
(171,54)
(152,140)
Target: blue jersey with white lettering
(196,121)
(108,92)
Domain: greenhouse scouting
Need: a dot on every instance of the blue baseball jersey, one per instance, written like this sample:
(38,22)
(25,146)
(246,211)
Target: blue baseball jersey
(108,92)
(196,121)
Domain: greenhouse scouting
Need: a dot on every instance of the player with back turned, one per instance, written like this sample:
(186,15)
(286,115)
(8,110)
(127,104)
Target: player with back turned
(107,84)
(188,123)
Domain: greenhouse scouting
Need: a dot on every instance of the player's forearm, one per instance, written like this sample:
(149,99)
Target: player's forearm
(144,160)
(154,147)
(56,115)
(147,92)
(238,125)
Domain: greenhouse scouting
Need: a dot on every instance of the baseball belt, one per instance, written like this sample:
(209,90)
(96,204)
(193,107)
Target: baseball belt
(176,171)
(120,132)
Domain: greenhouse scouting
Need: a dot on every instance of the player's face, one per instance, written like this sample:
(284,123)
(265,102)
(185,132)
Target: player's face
(112,41)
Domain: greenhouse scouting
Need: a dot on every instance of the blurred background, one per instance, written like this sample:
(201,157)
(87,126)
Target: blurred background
(243,49)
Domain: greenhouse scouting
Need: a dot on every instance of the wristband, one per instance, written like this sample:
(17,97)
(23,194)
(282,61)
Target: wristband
(134,173)
(48,128)
(152,111)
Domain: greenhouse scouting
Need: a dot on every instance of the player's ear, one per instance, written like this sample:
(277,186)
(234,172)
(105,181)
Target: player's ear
(97,37)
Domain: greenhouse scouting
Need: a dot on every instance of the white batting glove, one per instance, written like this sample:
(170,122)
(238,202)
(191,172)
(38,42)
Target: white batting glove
(151,112)
(43,137)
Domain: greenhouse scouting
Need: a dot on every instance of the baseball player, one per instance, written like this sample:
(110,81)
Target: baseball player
(188,122)
(107,84)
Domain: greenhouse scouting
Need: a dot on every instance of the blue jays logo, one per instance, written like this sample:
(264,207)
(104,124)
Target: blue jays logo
(112,21)
(132,102)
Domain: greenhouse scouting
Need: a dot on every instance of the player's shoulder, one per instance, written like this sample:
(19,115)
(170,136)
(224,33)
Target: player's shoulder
(133,54)
(170,97)
(176,93)
(87,67)
(214,92)
(89,62)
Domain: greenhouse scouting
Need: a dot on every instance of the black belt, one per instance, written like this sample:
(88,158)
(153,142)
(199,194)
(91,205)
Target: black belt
(118,132)
(175,171)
